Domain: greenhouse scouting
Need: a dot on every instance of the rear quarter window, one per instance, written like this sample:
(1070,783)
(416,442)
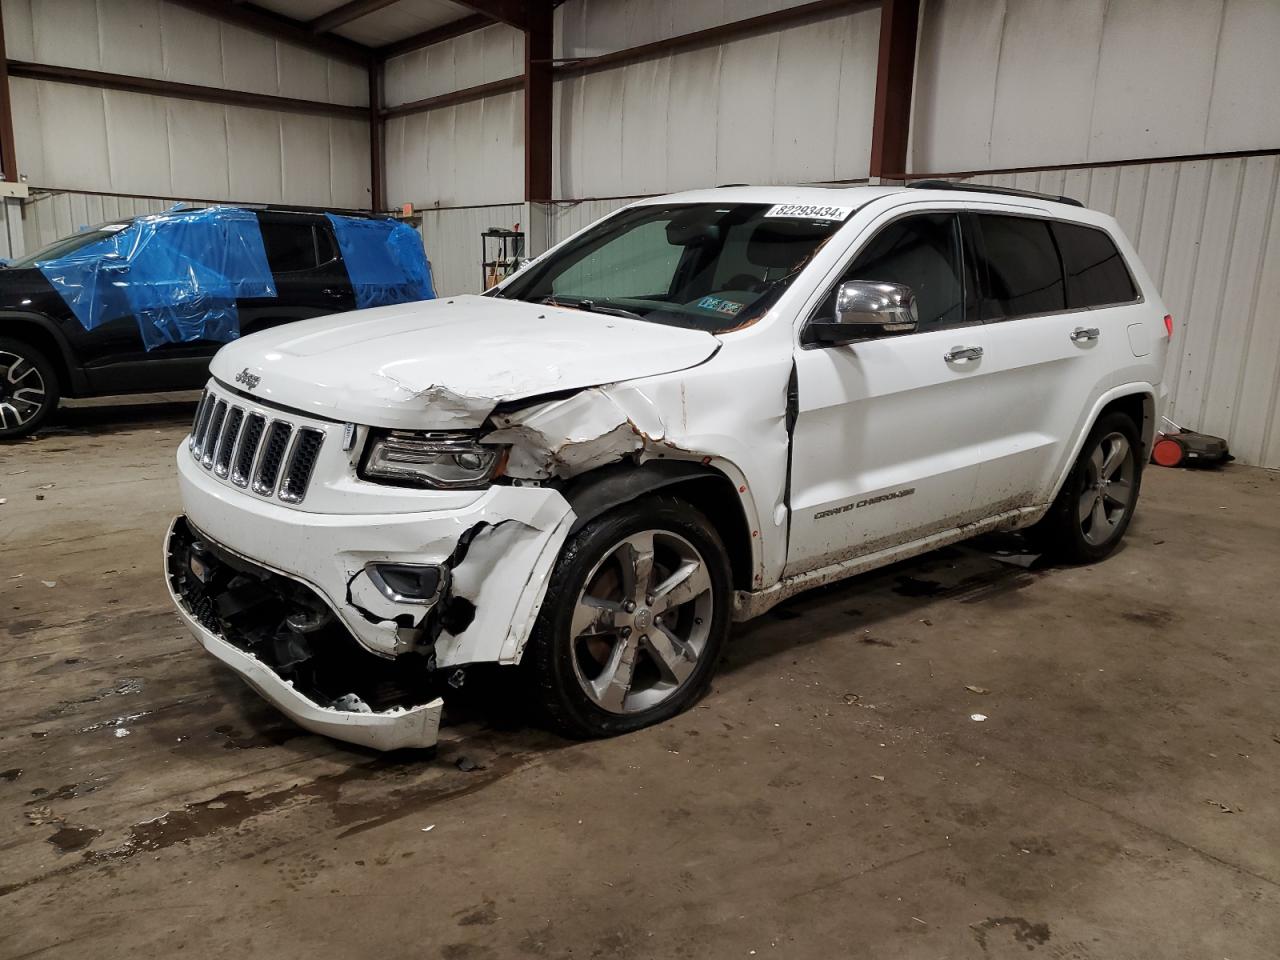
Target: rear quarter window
(1095,270)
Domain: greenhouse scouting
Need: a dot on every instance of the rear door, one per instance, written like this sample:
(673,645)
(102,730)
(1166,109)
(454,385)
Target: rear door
(310,278)
(890,432)
(1056,298)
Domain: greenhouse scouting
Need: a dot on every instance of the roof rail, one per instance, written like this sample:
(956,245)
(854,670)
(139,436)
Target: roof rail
(979,188)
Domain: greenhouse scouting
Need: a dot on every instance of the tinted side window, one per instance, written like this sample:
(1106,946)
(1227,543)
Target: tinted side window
(923,252)
(291,247)
(1023,272)
(1096,272)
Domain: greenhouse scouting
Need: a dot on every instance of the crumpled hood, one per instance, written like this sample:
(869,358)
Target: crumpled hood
(445,364)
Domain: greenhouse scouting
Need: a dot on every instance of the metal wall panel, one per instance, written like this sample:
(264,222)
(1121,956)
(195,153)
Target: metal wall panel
(1208,232)
(151,38)
(129,143)
(778,107)
(452,241)
(494,53)
(1014,83)
(464,155)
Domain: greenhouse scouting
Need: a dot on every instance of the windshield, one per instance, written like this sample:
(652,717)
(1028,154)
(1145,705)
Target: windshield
(709,266)
(60,248)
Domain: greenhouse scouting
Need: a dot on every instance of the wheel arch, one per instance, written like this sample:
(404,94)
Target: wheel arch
(702,486)
(1136,401)
(43,334)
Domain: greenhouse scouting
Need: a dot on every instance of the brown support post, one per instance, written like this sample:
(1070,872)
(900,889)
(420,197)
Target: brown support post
(8,151)
(377,156)
(899,23)
(538,73)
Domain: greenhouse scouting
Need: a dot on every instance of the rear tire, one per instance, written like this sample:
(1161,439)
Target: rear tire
(28,389)
(633,621)
(1092,511)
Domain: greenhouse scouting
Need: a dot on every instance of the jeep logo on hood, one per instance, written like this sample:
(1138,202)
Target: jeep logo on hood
(250,380)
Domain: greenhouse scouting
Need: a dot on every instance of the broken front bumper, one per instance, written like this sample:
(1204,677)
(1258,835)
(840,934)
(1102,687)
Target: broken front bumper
(297,694)
(496,548)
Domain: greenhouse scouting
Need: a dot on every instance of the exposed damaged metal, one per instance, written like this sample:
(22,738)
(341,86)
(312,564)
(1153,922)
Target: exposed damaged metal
(568,436)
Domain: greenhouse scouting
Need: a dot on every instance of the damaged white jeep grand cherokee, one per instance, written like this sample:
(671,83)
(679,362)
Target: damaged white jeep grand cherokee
(675,419)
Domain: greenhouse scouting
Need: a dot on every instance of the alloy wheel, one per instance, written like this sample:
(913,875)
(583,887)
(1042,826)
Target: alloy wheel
(1108,488)
(23,392)
(641,621)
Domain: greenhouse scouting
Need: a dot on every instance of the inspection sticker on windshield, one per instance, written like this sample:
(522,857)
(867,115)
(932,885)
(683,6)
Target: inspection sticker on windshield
(719,305)
(809,211)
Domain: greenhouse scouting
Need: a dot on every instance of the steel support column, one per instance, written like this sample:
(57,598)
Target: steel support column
(538,124)
(899,23)
(8,150)
(377,139)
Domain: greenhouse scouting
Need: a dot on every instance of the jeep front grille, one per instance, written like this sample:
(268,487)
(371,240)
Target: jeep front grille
(270,456)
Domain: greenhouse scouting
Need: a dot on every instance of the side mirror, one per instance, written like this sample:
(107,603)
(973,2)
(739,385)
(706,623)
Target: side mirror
(864,309)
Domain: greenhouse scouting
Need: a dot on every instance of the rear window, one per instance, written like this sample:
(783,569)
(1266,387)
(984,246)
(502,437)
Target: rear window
(1095,270)
(1020,260)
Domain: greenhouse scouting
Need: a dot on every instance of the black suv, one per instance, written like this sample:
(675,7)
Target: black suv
(46,353)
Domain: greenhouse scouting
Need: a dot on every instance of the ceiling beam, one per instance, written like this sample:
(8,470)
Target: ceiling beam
(455,97)
(344,14)
(256,18)
(438,34)
(514,13)
(180,91)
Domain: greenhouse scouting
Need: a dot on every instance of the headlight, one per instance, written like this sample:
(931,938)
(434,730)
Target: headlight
(444,460)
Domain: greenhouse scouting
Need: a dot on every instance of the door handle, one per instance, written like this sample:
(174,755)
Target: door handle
(1085,333)
(962,353)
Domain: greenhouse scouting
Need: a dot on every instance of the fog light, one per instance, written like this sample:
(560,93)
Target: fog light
(406,582)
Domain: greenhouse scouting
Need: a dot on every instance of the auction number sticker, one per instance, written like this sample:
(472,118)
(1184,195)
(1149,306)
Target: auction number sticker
(809,211)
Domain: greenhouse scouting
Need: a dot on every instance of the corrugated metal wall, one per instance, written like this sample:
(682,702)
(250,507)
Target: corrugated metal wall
(468,154)
(788,105)
(482,56)
(782,106)
(74,137)
(452,241)
(1025,83)
(12,243)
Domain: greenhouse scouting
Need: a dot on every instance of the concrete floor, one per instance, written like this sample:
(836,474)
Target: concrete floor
(830,798)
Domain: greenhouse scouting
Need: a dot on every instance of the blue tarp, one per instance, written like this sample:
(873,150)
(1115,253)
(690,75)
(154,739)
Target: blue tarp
(385,260)
(178,274)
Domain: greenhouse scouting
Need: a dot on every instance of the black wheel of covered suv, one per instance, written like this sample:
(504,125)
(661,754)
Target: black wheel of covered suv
(1093,509)
(635,615)
(28,388)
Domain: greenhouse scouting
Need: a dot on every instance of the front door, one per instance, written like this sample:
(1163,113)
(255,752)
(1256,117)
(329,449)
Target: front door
(890,433)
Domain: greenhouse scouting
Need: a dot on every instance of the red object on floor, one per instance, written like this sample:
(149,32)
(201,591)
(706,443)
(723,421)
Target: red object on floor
(1167,453)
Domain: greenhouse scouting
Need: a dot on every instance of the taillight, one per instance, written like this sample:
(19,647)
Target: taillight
(1168,324)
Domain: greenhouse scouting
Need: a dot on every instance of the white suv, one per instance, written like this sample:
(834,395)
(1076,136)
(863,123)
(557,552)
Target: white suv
(691,410)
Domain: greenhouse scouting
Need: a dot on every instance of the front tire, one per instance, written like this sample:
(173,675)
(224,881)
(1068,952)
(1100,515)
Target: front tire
(1092,511)
(28,389)
(635,615)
